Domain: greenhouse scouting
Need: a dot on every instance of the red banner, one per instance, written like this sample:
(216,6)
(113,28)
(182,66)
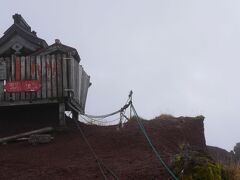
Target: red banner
(22,86)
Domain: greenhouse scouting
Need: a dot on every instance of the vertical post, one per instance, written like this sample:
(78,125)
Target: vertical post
(120,122)
(75,115)
(130,97)
(62,121)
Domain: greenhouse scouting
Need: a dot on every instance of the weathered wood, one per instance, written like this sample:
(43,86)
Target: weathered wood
(2,61)
(28,74)
(1,90)
(84,90)
(18,103)
(22,59)
(35,139)
(8,62)
(33,75)
(11,138)
(44,83)
(54,76)
(3,69)
(65,80)
(39,74)
(62,121)
(49,82)
(13,74)
(59,76)
(80,84)
(77,81)
(70,73)
(75,115)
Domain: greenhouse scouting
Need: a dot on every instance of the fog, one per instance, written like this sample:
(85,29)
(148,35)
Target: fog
(178,57)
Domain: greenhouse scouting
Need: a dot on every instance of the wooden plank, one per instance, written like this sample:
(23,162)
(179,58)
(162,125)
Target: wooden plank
(70,64)
(54,76)
(38,131)
(86,92)
(80,83)
(33,95)
(3,69)
(82,88)
(77,83)
(85,87)
(59,76)
(39,74)
(28,68)
(2,81)
(64,73)
(18,69)
(13,66)
(62,121)
(17,103)
(48,71)
(28,74)
(8,62)
(76,80)
(78,74)
(44,81)
(22,61)
(1,91)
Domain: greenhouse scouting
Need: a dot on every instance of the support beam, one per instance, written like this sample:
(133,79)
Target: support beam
(62,121)
(75,115)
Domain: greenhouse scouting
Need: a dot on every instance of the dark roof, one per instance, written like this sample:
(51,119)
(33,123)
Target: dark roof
(21,29)
(17,29)
(20,39)
(58,47)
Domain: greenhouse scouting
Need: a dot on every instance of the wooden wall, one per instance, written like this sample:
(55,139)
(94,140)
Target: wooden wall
(58,75)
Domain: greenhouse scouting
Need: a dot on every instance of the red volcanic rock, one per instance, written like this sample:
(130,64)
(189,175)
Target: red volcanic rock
(124,151)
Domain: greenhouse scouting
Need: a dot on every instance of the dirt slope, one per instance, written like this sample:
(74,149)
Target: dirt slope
(126,151)
(220,155)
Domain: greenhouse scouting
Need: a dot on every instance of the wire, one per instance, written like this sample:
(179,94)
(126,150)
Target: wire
(101,165)
(100,121)
(151,144)
(122,114)
(103,116)
(129,102)
(91,149)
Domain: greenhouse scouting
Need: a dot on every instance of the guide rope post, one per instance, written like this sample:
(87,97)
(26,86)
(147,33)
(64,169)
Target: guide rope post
(130,98)
(120,121)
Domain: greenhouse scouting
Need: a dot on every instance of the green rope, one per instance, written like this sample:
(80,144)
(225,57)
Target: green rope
(152,146)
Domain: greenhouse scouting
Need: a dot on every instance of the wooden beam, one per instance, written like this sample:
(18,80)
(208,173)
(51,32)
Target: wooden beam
(75,115)
(62,121)
(10,138)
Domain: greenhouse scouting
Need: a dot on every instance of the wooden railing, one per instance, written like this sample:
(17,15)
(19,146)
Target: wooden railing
(59,75)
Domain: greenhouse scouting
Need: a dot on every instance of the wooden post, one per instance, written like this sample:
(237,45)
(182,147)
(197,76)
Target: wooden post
(75,115)
(62,121)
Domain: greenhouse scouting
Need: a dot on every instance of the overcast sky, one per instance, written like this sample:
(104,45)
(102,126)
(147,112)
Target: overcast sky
(179,57)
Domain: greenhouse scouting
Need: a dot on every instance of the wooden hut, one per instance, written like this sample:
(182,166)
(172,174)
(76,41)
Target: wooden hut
(35,73)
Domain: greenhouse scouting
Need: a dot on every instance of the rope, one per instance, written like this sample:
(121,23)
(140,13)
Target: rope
(111,114)
(91,120)
(103,116)
(122,111)
(99,162)
(151,144)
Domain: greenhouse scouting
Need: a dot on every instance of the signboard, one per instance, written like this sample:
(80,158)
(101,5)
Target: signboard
(3,70)
(22,86)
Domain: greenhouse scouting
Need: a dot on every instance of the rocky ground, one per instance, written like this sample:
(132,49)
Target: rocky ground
(125,151)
